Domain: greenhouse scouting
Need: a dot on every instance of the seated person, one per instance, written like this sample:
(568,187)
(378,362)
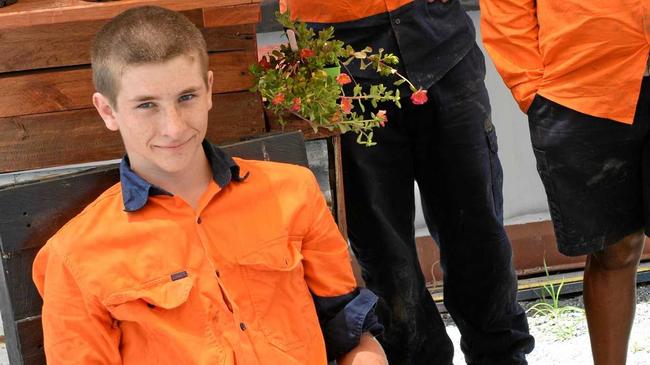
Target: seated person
(194,257)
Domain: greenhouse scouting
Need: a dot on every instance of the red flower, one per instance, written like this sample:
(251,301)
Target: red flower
(382,116)
(336,117)
(346,105)
(306,53)
(343,79)
(419,97)
(278,99)
(296,105)
(264,62)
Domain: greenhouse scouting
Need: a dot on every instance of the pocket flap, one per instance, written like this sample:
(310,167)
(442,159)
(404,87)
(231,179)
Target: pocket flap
(167,293)
(276,255)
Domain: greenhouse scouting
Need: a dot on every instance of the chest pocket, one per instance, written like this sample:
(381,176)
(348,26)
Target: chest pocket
(278,291)
(163,314)
(156,305)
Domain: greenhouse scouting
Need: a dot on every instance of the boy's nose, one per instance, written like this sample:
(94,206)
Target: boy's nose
(173,124)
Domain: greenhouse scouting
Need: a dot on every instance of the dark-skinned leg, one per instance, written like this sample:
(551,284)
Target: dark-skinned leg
(610,298)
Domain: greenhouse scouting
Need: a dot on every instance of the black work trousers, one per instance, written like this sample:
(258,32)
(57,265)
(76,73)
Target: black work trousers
(448,146)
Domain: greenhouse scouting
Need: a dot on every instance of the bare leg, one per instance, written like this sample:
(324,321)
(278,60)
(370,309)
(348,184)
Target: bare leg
(610,298)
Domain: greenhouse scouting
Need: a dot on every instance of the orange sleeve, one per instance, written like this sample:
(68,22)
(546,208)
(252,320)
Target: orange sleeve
(326,260)
(76,328)
(510,35)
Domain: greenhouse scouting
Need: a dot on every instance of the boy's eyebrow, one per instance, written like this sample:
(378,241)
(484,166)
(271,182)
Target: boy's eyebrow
(189,90)
(143,98)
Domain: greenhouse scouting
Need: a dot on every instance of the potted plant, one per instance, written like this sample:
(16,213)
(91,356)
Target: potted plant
(308,78)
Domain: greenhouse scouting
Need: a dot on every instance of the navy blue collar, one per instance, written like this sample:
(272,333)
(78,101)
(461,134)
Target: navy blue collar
(136,190)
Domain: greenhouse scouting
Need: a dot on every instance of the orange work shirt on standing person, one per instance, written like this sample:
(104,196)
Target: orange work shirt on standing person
(139,277)
(587,55)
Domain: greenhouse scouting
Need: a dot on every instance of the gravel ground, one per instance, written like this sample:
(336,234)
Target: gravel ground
(566,342)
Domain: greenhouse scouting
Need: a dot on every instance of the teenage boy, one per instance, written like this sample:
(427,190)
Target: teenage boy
(194,257)
(580,71)
(449,146)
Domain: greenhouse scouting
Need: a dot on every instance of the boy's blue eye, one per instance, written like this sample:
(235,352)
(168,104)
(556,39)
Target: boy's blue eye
(187,97)
(147,105)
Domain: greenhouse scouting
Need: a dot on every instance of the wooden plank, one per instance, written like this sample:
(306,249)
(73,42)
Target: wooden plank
(231,15)
(25,300)
(37,12)
(30,333)
(286,147)
(37,141)
(18,297)
(70,89)
(26,223)
(44,46)
(336,177)
(8,323)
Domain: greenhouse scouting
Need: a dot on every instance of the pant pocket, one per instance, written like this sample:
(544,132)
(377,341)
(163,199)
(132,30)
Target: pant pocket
(496,172)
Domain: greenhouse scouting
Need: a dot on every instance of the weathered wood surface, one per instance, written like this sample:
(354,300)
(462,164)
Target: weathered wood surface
(38,12)
(39,47)
(30,215)
(69,89)
(285,147)
(30,334)
(51,139)
(231,15)
(32,212)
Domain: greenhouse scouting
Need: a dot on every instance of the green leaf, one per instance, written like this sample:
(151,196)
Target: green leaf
(399,82)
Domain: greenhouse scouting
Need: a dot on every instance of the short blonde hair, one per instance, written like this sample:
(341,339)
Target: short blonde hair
(147,34)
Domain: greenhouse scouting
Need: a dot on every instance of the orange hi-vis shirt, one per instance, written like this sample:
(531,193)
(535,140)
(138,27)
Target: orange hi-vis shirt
(339,11)
(589,56)
(234,282)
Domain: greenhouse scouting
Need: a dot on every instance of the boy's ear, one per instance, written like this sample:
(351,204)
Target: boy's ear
(106,111)
(210,79)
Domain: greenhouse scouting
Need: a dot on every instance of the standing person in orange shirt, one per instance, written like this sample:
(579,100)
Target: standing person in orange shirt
(194,257)
(580,70)
(442,138)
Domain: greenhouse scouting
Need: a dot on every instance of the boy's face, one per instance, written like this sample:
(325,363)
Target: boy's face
(162,114)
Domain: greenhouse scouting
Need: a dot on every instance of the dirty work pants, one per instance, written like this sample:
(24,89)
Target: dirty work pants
(448,146)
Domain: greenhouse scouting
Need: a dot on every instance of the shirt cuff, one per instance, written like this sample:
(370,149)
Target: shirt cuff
(344,318)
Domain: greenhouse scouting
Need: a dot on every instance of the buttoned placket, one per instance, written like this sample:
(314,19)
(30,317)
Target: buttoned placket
(245,352)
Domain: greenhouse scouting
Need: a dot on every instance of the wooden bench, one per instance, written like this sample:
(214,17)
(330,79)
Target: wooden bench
(33,211)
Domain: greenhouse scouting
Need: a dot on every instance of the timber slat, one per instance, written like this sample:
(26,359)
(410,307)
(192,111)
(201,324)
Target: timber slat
(68,137)
(42,46)
(37,12)
(70,89)
(231,15)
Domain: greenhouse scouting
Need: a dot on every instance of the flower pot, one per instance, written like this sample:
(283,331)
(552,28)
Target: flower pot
(333,71)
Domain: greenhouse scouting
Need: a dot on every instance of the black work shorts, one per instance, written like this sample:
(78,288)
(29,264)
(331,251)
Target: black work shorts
(596,173)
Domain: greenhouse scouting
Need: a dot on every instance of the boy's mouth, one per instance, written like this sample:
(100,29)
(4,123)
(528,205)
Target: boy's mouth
(174,145)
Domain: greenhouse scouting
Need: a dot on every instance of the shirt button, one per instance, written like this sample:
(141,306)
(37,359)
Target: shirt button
(242,325)
(198,220)
(397,21)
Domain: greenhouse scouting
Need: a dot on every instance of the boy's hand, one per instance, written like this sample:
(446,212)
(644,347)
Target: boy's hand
(367,352)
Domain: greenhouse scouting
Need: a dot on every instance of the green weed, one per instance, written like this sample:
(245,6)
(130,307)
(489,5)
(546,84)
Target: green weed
(562,320)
